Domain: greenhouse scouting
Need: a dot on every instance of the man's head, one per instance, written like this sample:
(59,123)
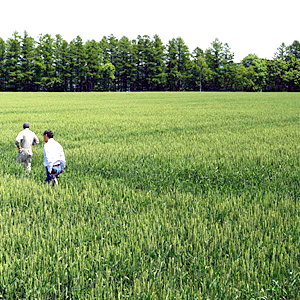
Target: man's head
(48,134)
(26,125)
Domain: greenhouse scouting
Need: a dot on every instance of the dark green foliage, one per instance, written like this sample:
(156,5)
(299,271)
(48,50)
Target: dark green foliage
(142,64)
(62,64)
(2,65)
(12,63)
(178,65)
(27,62)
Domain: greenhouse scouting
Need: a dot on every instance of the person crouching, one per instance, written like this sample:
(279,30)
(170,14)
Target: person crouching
(54,158)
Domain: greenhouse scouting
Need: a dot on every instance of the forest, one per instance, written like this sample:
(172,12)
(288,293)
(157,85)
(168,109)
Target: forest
(53,64)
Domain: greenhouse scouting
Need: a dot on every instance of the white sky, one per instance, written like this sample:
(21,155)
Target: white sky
(256,26)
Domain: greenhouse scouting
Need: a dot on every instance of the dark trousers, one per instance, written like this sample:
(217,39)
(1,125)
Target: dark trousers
(54,173)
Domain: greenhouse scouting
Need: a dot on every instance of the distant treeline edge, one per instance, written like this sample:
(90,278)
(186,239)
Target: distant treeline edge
(142,64)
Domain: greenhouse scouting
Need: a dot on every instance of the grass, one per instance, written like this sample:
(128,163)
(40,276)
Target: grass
(165,196)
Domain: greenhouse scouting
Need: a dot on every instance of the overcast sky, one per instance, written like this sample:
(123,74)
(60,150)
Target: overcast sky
(256,26)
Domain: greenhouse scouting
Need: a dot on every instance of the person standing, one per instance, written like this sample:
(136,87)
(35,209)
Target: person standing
(24,141)
(54,158)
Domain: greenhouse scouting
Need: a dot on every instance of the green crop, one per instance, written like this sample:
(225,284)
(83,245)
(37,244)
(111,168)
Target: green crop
(165,196)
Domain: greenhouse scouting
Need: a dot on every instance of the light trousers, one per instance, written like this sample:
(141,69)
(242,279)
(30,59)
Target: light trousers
(26,158)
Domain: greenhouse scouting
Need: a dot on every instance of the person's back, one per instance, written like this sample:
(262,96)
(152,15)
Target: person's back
(54,158)
(24,141)
(26,138)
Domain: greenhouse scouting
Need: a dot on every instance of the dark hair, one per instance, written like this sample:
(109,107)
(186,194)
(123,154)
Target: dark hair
(49,133)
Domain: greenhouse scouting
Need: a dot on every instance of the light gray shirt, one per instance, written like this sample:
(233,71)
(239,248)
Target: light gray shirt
(26,138)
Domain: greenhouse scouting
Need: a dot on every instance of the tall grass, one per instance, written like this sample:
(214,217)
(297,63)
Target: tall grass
(166,196)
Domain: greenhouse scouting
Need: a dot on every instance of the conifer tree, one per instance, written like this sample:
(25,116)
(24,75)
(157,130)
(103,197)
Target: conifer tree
(12,63)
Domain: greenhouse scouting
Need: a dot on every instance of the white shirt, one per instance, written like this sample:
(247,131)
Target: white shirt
(27,138)
(53,155)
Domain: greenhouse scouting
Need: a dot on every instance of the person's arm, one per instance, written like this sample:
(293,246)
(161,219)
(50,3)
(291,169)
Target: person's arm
(18,145)
(18,141)
(35,140)
(48,159)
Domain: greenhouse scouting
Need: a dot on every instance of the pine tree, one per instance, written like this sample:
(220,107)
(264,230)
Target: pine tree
(12,63)
(178,65)
(219,59)
(93,65)
(2,65)
(156,65)
(124,64)
(27,62)
(78,64)
(200,71)
(61,64)
(45,63)
(109,48)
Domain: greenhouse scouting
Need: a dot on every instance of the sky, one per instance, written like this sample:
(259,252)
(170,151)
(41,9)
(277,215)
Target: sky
(248,27)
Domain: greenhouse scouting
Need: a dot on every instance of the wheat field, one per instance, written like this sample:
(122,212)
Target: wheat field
(165,196)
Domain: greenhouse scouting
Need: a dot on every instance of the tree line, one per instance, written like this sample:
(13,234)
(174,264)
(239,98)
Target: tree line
(142,64)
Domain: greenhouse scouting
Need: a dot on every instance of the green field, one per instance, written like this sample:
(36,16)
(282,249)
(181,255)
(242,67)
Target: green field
(165,196)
